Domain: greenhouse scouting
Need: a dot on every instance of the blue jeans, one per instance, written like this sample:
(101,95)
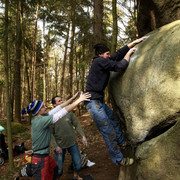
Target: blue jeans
(108,124)
(75,155)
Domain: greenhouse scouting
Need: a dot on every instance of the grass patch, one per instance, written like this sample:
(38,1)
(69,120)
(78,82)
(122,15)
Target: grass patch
(17,128)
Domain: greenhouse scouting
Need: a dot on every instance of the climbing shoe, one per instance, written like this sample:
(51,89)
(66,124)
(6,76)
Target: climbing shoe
(127,161)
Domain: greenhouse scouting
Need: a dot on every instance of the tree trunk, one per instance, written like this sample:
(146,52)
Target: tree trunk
(77,71)
(22,63)
(115,29)
(56,74)
(83,67)
(1,99)
(44,65)
(114,40)
(28,82)
(98,21)
(64,62)
(27,76)
(73,7)
(10,154)
(12,91)
(33,86)
(17,72)
(38,86)
(26,73)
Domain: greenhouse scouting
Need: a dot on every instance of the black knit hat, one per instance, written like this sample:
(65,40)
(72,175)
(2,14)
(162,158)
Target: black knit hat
(100,49)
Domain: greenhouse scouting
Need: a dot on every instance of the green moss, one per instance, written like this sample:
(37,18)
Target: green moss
(17,128)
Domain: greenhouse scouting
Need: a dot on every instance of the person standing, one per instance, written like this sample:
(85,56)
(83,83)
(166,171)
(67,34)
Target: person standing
(64,139)
(43,167)
(104,118)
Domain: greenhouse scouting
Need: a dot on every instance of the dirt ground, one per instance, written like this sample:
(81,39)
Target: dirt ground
(104,168)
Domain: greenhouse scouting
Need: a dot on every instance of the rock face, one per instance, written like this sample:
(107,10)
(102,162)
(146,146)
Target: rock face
(153,14)
(159,158)
(148,96)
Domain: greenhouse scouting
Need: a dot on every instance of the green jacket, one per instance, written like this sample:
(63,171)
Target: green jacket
(62,131)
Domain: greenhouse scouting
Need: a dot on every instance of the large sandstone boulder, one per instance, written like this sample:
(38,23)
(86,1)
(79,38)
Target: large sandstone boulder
(159,158)
(147,96)
(148,93)
(153,14)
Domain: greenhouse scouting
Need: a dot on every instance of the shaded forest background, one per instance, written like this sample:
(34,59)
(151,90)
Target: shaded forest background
(46,46)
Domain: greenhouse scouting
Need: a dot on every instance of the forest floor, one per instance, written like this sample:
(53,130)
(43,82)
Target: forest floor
(104,168)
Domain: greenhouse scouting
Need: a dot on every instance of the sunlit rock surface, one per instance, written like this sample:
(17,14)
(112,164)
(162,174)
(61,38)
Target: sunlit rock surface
(148,93)
(159,158)
(147,96)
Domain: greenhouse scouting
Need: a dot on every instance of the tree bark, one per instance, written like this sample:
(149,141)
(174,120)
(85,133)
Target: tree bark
(73,7)
(27,73)
(10,154)
(17,72)
(115,28)
(44,66)
(33,82)
(56,74)
(64,63)
(77,70)
(98,21)
(83,67)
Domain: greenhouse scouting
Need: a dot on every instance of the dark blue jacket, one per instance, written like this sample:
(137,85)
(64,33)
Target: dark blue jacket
(100,71)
